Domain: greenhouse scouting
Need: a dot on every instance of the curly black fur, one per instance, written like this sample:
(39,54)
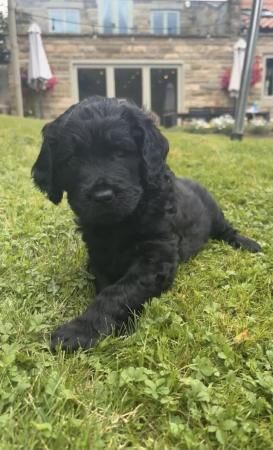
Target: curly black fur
(137,219)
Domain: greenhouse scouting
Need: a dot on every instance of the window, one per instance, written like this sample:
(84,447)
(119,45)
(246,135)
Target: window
(64,20)
(268,84)
(128,84)
(115,16)
(163,91)
(91,82)
(165,22)
(155,85)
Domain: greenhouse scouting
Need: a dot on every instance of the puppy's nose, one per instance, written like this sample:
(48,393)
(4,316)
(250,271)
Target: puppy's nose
(104,195)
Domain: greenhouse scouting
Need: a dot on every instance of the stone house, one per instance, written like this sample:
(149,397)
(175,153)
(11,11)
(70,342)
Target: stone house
(141,49)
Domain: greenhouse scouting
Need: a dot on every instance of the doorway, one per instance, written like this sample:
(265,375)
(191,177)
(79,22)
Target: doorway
(91,82)
(164,94)
(128,84)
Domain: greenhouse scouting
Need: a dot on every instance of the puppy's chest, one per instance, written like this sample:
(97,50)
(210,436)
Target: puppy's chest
(112,254)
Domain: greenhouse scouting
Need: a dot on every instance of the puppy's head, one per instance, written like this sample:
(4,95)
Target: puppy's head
(104,153)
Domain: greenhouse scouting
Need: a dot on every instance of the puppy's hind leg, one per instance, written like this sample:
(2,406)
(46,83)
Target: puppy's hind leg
(223,231)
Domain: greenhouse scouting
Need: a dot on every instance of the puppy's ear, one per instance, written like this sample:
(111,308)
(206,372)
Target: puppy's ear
(154,146)
(44,171)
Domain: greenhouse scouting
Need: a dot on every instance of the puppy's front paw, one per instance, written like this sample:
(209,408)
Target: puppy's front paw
(73,335)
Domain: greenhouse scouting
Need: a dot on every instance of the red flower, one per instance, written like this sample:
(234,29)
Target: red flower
(256,75)
(51,83)
(224,79)
(42,85)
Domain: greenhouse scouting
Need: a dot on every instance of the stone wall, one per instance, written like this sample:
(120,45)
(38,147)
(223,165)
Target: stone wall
(203,61)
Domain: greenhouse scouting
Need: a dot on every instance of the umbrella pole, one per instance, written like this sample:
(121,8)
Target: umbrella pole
(36,105)
(235,102)
(237,133)
(40,103)
(38,100)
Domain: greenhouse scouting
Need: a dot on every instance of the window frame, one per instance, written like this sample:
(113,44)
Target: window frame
(143,64)
(115,16)
(165,13)
(64,20)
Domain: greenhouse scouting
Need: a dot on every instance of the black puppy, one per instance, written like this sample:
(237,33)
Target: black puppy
(137,219)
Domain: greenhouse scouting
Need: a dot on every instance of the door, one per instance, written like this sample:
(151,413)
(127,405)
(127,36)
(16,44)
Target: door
(91,82)
(128,84)
(164,93)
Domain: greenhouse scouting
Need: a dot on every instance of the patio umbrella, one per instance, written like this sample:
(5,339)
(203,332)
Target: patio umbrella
(237,67)
(38,68)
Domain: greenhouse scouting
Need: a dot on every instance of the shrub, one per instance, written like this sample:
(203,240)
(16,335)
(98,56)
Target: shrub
(258,126)
(198,126)
(223,124)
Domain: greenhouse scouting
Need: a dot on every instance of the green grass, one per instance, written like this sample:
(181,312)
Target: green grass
(197,372)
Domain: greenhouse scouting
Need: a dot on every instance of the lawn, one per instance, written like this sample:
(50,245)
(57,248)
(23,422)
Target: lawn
(196,373)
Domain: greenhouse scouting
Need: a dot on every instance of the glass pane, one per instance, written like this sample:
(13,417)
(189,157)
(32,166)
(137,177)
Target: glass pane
(107,16)
(72,17)
(172,22)
(164,92)
(128,84)
(123,16)
(91,82)
(158,22)
(269,77)
(56,20)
